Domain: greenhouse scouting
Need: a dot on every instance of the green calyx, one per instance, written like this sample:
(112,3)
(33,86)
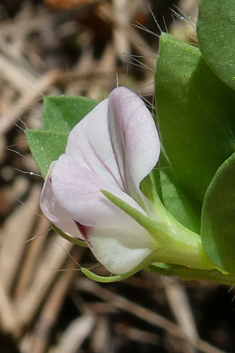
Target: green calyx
(174,243)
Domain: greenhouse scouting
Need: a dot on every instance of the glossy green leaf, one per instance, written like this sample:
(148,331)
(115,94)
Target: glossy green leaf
(216,28)
(218,217)
(60,115)
(195,115)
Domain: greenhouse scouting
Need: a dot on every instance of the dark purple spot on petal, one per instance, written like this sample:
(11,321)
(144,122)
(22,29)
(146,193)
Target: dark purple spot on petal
(84,230)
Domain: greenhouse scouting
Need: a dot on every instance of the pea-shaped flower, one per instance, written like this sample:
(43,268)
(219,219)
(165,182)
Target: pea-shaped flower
(113,149)
(92,191)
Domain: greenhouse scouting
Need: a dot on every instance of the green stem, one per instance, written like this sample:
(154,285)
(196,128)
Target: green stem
(181,246)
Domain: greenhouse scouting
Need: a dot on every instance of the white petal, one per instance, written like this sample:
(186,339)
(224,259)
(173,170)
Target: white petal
(90,145)
(117,140)
(54,211)
(134,137)
(120,250)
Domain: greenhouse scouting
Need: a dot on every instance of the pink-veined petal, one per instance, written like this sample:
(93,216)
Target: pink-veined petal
(117,140)
(134,138)
(90,145)
(54,211)
(78,190)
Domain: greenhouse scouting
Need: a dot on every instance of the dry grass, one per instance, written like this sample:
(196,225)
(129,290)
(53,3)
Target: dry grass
(46,305)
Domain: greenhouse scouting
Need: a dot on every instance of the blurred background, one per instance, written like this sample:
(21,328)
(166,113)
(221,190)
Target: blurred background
(81,47)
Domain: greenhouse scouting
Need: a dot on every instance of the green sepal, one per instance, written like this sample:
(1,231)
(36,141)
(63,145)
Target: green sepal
(68,237)
(172,243)
(106,279)
(143,220)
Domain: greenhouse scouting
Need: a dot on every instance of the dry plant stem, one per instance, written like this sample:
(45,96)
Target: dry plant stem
(31,260)
(27,100)
(36,23)
(8,316)
(137,335)
(106,64)
(185,29)
(101,337)
(135,6)
(145,282)
(76,333)
(99,74)
(122,15)
(143,314)
(51,263)
(189,6)
(16,232)
(179,304)
(50,310)
(148,57)
(19,78)
(42,86)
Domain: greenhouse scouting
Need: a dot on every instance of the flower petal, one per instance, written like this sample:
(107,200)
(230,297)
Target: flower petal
(113,148)
(120,250)
(53,210)
(90,145)
(78,190)
(134,137)
(117,140)
(117,241)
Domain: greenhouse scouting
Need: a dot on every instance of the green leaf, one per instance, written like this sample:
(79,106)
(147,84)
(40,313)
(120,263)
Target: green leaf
(186,210)
(216,28)
(218,217)
(164,269)
(189,274)
(60,115)
(46,147)
(195,113)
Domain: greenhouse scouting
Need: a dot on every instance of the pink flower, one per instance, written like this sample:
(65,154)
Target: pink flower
(113,149)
